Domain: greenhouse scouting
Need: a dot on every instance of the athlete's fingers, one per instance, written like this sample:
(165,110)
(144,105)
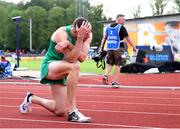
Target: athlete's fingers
(86,24)
(76,26)
(83,23)
(89,26)
(77,29)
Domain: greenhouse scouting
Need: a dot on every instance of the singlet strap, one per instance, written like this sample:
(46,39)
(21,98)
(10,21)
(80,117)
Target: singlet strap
(68,30)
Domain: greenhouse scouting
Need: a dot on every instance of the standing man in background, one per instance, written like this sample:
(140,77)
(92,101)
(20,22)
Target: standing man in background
(114,35)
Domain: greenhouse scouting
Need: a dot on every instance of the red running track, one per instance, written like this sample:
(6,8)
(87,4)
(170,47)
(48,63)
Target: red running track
(164,79)
(108,107)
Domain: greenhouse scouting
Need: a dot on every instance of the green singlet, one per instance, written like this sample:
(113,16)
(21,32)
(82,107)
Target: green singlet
(51,56)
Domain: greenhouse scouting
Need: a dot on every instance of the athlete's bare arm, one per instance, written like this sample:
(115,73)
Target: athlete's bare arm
(64,46)
(85,49)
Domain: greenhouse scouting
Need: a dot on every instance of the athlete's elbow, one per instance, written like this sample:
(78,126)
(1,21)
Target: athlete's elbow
(82,58)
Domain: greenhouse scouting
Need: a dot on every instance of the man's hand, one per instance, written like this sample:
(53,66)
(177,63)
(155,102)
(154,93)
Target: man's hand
(84,30)
(62,45)
(100,50)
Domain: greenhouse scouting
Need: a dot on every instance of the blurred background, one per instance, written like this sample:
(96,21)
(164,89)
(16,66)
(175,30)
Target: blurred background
(149,23)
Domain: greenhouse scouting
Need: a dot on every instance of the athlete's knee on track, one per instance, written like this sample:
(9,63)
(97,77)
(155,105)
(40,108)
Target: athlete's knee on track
(60,112)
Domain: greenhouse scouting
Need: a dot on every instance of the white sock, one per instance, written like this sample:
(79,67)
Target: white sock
(73,110)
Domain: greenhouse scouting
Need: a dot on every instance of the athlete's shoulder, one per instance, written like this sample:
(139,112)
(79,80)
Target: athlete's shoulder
(59,34)
(61,29)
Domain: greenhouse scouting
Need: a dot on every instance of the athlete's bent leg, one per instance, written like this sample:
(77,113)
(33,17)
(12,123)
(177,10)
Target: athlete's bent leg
(57,104)
(61,69)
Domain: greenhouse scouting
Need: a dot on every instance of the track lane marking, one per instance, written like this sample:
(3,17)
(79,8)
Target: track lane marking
(106,91)
(105,102)
(64,122)
(109,96)
(109,111)
(99,86)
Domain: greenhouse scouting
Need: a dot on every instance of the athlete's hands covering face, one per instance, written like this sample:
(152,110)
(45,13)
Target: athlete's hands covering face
(84,31)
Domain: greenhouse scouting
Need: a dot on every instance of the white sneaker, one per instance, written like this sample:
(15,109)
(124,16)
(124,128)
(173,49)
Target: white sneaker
(26,104)
(77,116)
(115,85)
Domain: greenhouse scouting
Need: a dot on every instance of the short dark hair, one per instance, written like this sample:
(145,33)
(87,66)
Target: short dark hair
(78,21)
(119,15)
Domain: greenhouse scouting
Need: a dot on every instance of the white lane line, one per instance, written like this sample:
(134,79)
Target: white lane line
(132,87)
(20,83)
(108,96)
(73,123)
(105,102)
(100,86)
(148,91)
(111,111)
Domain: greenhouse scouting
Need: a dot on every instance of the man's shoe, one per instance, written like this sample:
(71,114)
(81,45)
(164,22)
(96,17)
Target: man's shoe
(105,80)
(26,104)
(76,116)
(115,85)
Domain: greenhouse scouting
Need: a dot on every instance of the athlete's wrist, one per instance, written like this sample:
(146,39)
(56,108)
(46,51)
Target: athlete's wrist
(80,37)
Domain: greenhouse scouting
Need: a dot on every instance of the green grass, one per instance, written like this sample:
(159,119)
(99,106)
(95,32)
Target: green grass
(89,66)
(31,64)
